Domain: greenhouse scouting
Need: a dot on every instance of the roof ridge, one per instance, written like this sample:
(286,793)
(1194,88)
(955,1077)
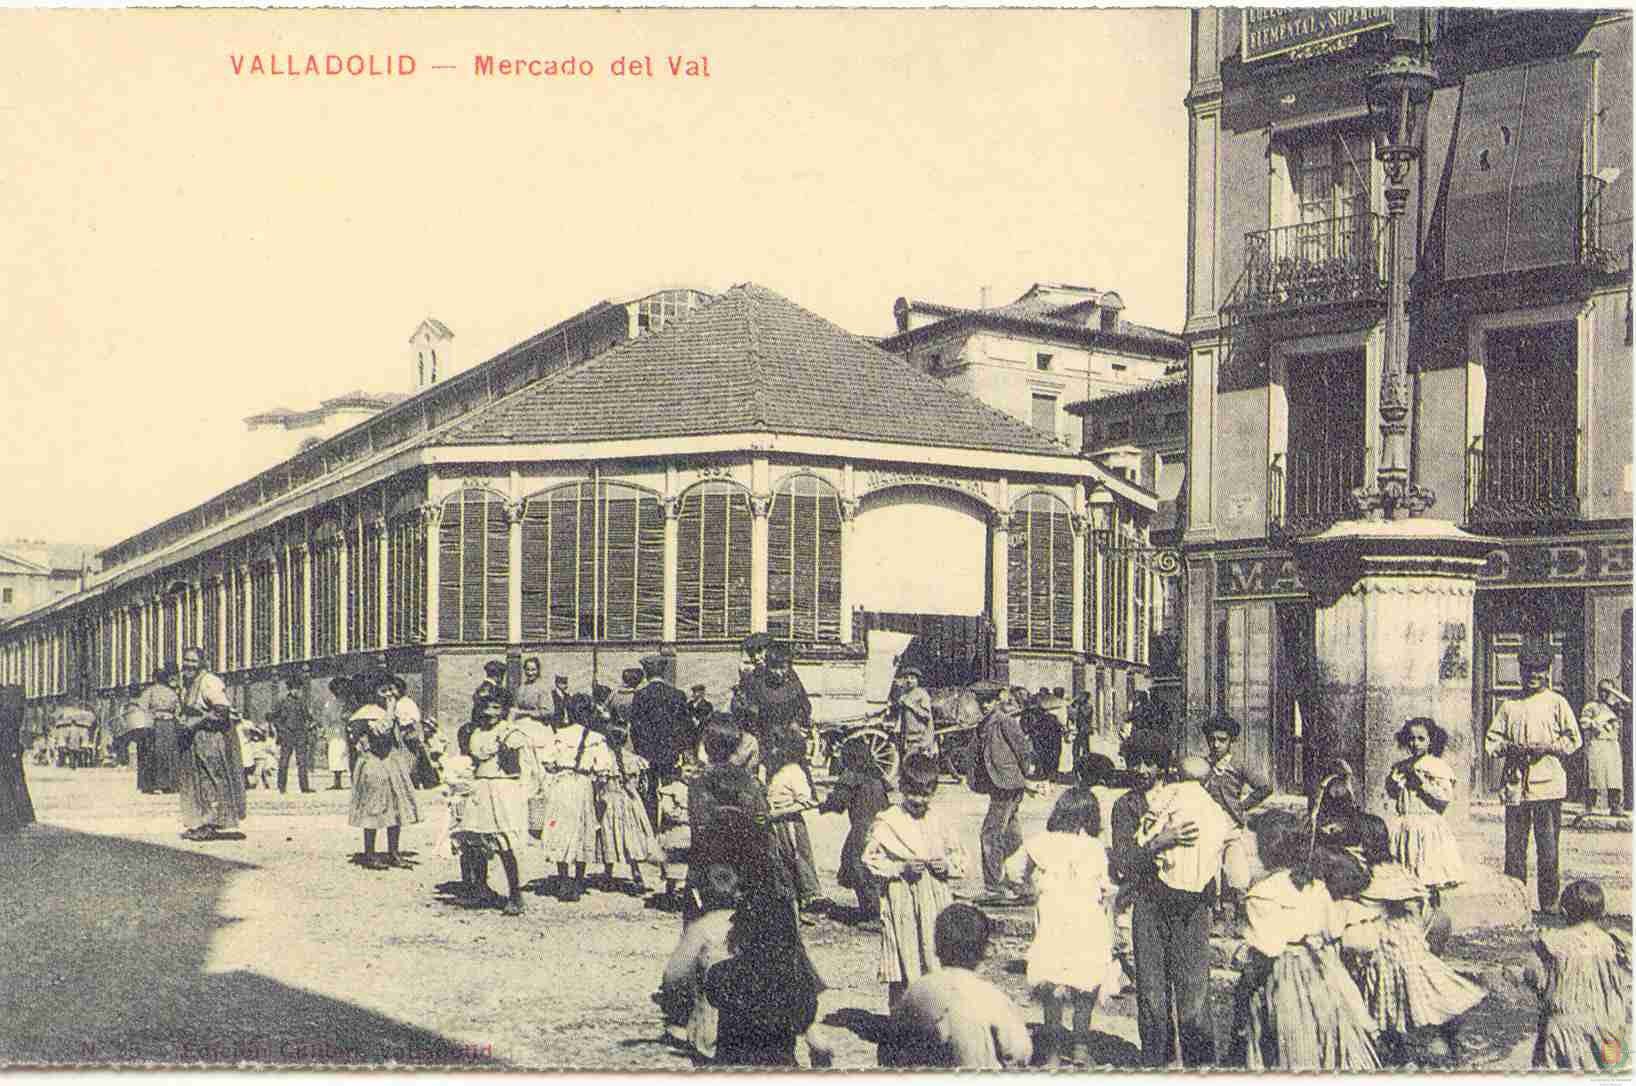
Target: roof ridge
(924,378)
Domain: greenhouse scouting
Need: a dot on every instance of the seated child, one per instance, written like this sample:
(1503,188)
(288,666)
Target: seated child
(1187,867)
(951,1017)
(1583,983)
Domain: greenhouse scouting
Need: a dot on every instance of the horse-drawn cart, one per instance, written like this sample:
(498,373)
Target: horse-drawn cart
(956,713)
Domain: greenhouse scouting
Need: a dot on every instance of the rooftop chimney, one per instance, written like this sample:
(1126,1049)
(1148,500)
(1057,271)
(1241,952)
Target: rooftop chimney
(982,298)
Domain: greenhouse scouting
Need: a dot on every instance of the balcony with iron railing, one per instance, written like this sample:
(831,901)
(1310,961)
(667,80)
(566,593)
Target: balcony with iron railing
(1604,232)
(1523,477)
(1310,490)
(1339,261)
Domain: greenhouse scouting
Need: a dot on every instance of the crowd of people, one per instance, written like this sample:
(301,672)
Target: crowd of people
(1336,912)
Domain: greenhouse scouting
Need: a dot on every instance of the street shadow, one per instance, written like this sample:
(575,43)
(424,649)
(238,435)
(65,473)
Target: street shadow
(867,1026)
(104,951)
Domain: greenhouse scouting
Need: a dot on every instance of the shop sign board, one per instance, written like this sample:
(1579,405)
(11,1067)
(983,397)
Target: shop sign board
(1273,32)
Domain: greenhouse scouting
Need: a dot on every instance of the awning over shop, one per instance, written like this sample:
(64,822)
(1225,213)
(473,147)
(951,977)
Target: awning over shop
(1515,189)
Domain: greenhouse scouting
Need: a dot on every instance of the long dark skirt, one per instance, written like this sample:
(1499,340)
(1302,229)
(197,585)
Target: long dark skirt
(141,745)
(164,757)
(210,780)
(793,849)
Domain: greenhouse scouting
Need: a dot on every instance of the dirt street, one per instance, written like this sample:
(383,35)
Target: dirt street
(120,942)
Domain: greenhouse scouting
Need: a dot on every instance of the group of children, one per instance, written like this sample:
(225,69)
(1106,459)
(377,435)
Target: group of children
(1336,965)
(570,787)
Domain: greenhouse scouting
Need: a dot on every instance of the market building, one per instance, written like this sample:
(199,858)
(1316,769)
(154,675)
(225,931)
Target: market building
(668,474)
(1409,327)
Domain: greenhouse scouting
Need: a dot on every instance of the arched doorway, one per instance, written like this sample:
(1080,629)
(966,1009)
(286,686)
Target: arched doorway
(918,563)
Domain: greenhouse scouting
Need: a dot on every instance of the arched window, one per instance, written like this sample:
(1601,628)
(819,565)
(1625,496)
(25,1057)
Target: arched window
(593,564)
(326,588)
(474,557)
(405,572)
(1040,574)
(804,561)
(713,563)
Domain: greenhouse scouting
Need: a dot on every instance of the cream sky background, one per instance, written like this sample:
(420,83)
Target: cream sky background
(187,247)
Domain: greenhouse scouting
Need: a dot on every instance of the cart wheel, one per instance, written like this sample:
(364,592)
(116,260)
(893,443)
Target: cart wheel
(883,751)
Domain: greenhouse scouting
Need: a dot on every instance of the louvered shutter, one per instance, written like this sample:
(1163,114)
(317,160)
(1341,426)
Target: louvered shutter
(536,571)
(827,507)
(473,565)
(450,570)
(563,568)
(1062,580)
(618,579)
(781,566)
(804,561)
(650,569)
(589,584)
(497,571)
(1016,583)
(713,563)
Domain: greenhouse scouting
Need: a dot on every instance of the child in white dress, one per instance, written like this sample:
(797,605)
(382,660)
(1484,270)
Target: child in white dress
(914,856)
(1187,867)
(1070,962)
(1421,787)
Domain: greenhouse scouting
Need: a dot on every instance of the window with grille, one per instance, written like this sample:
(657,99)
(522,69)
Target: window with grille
(804,562)
(593,564)
(1108,613)
(363,587)
(1327,439)
(326,590)
(1524,467)
(261,613)
(473,560)
(1040,574)
(293,605)
(405,580)
(713,563)
(235,619)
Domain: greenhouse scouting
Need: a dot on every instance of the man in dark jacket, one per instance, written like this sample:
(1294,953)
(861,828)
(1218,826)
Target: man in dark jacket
(1004,756)
(297,729)
(661,728)
(772,700)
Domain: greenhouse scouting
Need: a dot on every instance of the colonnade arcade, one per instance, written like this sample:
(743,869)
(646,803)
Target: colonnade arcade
(645,552)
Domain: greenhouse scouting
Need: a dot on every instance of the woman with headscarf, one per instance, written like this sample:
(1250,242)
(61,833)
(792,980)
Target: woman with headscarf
(382,795)
(210,767)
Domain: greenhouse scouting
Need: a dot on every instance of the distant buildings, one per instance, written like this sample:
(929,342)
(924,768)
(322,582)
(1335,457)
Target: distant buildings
(33,572)
(1031,358)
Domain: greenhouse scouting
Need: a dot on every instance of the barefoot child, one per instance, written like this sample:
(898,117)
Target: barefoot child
(914,856)
(494,821)
(1421,786)
(1070,962)
(861,793)
(1583,982)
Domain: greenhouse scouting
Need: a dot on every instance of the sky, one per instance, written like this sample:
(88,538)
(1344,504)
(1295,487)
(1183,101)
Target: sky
(189,246)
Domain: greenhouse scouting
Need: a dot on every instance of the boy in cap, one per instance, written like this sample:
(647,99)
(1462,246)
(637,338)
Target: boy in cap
(912,705)
(1238,791)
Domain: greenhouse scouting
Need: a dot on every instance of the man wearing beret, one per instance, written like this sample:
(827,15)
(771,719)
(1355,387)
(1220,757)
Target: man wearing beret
(1533,733)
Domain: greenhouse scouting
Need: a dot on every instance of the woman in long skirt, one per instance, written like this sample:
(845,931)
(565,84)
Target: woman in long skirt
(382,796)
(210,769)
(627,831)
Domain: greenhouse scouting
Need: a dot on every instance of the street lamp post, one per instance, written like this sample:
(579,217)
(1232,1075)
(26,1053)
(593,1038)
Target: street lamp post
(1398,93)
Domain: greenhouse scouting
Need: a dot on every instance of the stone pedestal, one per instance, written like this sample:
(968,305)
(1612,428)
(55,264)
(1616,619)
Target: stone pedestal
(1393,640)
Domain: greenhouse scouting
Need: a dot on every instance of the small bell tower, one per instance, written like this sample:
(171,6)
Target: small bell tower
(431,353)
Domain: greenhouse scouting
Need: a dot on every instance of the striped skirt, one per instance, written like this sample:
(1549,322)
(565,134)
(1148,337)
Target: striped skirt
(570,827)
(1308,1016)
(627,832)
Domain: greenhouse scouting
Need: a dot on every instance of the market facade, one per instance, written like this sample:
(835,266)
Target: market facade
(1494,428)
(615,487)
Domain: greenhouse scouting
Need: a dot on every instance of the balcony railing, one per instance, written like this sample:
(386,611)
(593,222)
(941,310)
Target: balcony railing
(1336,261)
(1604,233)
(1309,491)
(1519,478)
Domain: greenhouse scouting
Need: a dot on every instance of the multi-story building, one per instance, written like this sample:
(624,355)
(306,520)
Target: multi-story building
(1514,255)
(1031,358)
(669,474)
(34,572)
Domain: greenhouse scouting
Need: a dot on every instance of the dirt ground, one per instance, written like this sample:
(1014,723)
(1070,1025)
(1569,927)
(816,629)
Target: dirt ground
(119,942)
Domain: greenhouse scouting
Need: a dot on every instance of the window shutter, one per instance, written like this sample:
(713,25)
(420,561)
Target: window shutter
(497,572)
(1016,583)
(828,526)
(1062,581)
(619,579)
(736,565)
(700,575)
(536,571)
(650,569)
(473,562)
(562,573)
(1514,192)
(781,566)
(450,571)
(589,585)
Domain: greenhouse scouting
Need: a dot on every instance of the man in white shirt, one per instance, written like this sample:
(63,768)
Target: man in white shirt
(1533,733)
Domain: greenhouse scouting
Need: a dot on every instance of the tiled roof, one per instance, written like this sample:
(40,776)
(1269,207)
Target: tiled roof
(750,361)
(1045,315)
